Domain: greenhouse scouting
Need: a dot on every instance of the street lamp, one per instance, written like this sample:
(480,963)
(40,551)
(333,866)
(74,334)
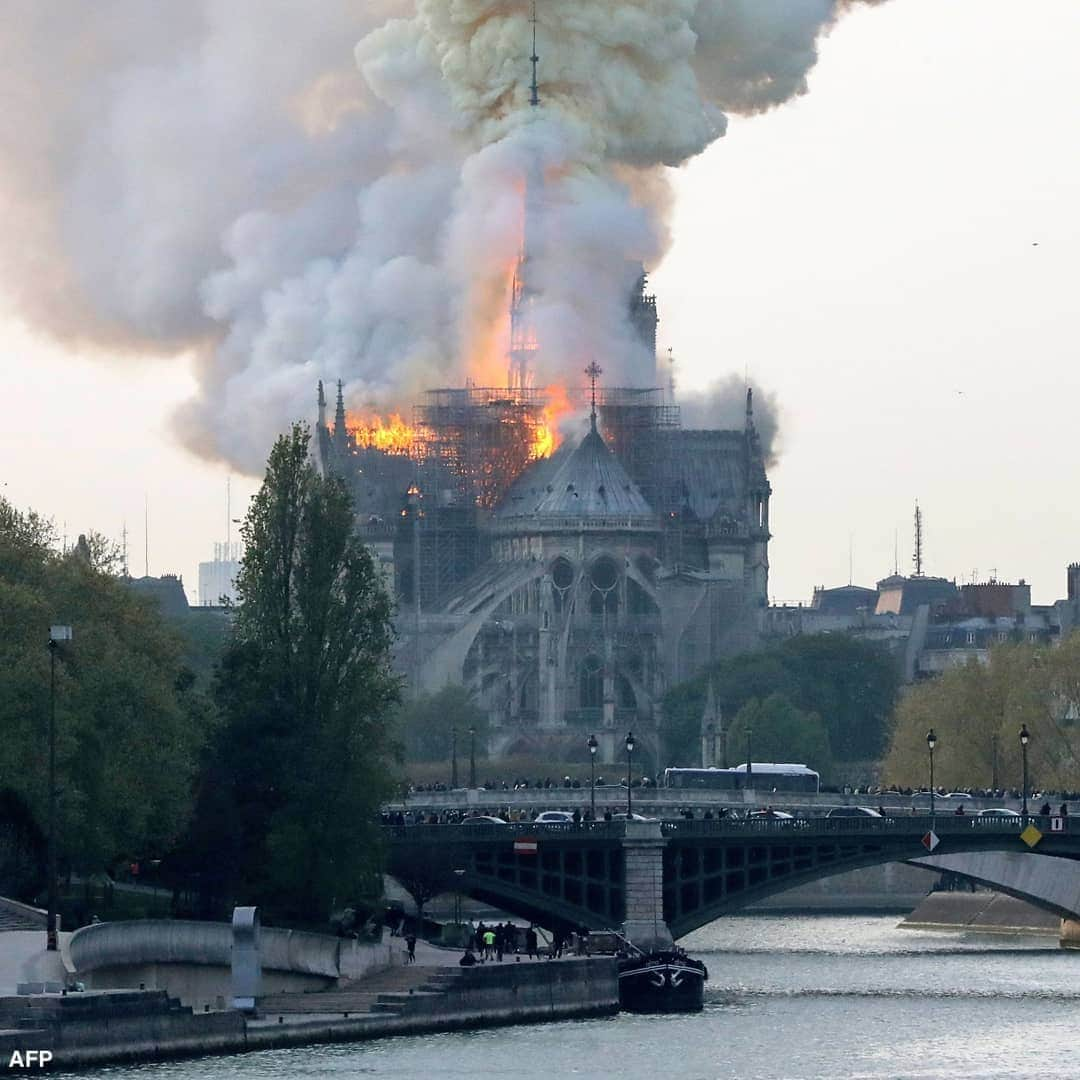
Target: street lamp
(629,772)
(1025,738)
(931,742)
(453,757)
(592,744)
(472,756)
(749,761)
(56,635)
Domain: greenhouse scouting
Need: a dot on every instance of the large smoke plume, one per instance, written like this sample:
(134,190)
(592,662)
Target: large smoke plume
(292,192)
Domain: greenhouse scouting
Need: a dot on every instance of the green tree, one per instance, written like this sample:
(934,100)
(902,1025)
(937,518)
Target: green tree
(129,724)
(427,726)
(775,730)
(977,711)
(850,685)
(306,690)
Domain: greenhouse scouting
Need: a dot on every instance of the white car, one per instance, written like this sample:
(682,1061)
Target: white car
(770,815)
(483,819)
(998,812)
(553,817)
(631,817)
(853,811)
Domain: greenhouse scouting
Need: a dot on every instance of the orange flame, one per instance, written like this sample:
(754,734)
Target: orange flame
(392,435)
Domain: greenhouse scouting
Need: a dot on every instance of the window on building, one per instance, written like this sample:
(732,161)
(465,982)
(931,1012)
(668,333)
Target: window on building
(592,683)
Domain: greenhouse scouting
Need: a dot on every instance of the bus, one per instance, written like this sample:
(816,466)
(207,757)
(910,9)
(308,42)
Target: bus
(761,776)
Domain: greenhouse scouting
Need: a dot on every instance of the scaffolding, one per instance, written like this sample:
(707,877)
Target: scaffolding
(634,423)
(473,443)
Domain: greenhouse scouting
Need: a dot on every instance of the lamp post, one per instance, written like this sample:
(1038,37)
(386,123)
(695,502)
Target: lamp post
(453,757)
(592,744)
(931,742)
(472,756)
(1025,737)
(629,773)
(56,635)
(749,761)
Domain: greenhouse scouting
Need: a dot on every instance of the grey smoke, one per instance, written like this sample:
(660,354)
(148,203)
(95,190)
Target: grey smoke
(723,405)
(290,194)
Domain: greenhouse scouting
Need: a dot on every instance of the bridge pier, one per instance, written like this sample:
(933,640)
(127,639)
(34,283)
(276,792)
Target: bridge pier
(643,875)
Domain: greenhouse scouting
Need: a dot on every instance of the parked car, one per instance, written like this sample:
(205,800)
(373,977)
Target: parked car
(998,812)
(853,811)
(483,819)
(956,795)
(770,815)
(631,817)
(553,817)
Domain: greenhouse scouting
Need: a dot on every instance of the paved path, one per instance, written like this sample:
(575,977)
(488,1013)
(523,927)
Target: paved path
(18,950)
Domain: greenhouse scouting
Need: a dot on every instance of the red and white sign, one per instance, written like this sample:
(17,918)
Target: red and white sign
(1057,824)
(930,840)
(526,845)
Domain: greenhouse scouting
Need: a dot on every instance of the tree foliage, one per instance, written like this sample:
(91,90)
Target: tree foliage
(976,712)
(427,726)
(129,723)
(290,797)
(775,730)
(848,684)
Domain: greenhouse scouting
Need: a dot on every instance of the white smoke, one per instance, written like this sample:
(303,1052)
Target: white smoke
(294,193)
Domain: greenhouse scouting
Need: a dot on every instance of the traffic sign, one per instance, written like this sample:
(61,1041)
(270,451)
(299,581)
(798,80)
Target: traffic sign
(1031,836)
(1057,824)
(931,840)
(525,846)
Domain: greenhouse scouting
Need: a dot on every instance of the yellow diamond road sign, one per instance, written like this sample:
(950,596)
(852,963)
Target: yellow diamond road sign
(1031,836)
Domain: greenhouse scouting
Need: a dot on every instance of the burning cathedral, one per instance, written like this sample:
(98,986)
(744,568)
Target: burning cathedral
(566,553)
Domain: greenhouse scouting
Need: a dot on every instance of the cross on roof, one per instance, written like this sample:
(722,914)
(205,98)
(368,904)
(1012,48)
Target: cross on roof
(594,371)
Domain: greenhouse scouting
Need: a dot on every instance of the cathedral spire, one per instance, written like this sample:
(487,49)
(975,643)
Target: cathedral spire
(339,414)
(534,96)
(749,408)
(322,405)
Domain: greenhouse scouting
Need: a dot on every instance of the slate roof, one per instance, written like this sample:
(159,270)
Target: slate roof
(589,481)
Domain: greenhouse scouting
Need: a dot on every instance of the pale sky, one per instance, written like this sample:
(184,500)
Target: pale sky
(892,256)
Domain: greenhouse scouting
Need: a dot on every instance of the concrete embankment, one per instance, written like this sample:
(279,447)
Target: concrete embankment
(985,911)
(114,1026)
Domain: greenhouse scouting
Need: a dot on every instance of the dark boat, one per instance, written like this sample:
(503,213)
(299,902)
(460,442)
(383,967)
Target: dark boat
(664,980)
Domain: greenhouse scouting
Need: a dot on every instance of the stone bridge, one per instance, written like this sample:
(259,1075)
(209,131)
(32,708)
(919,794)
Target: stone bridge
(659,880)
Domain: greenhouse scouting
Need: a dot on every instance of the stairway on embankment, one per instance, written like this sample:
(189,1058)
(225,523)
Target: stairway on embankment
(392,991)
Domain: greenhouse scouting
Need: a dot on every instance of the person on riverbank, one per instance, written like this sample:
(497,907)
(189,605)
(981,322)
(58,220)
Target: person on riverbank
(410,945)
(489,944)
(478,939)
(531,943)
(469,959)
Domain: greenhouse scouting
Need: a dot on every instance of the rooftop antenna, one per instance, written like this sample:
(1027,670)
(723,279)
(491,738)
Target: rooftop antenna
(594,371)
(917,558)
(534,97)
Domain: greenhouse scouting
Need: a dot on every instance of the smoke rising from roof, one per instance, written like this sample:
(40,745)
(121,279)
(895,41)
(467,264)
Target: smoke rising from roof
(723,405)
(291,196)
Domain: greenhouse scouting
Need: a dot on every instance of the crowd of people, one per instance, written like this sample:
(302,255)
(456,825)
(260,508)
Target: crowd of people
(524,784)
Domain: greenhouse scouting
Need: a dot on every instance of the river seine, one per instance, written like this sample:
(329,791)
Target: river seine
(805,998)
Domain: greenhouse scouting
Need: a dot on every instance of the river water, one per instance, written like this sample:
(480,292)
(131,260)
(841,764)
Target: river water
(788,998)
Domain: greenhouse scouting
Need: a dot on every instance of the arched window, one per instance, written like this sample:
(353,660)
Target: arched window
(604,582)
(562,578)
(592,683)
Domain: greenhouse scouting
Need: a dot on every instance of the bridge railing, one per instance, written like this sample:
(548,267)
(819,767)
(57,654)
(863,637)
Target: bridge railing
(911,825)
(466,833)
